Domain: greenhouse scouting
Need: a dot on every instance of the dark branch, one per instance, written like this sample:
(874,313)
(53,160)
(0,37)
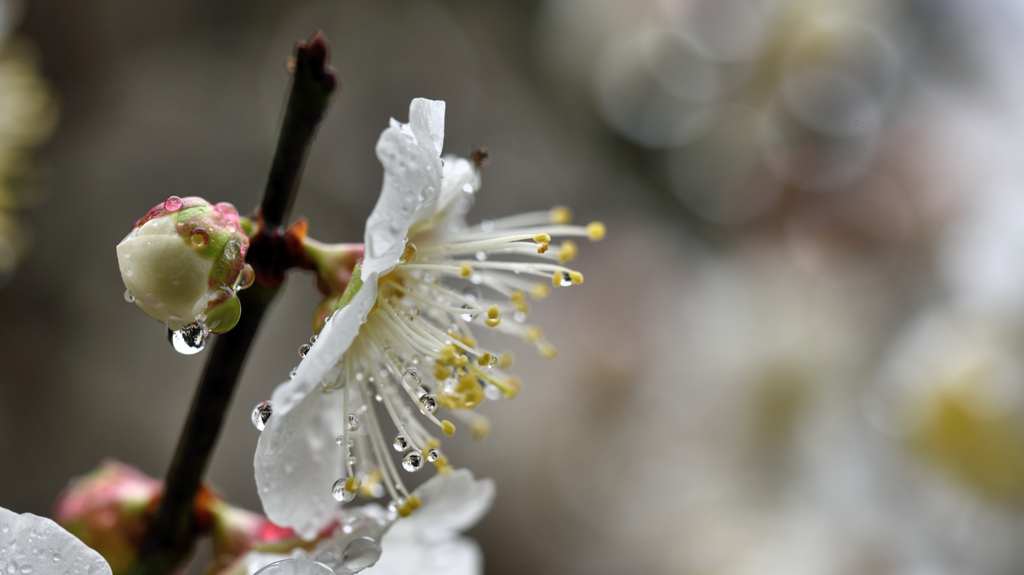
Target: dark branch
(173,532)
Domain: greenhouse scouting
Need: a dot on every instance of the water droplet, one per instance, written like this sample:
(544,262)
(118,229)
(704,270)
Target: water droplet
(293,371)
(351,459)
(26,569)
(430,403)
(128,270)
(476,279)
(401,443)
(378,398)
(313,339)
(246,278)
(412,461)
(353,422)
(492,393)
(340,440)
(128,297)
(261,413)
(190,339)
(467,316)
(519,316)
(172,204)
(56,557)
(339,493)
(487,225)
(566,279)
(359,554)
(304,349)
(481,256)
(199,237)
(433,455)
(411,377)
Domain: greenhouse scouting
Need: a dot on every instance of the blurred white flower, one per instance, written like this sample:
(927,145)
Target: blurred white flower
(37,545)
(401,336)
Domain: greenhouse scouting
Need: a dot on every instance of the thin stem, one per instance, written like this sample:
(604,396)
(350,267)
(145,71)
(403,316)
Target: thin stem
(174,530)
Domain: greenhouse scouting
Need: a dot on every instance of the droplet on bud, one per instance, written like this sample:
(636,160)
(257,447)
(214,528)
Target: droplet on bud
(401,443)
(339,492)
(261,414)
(412,461)
(433,455)
(353,422)
(190,339)
(430,403)
(128,297)
(304,349)
(172,204)
(199,237)
(246,277)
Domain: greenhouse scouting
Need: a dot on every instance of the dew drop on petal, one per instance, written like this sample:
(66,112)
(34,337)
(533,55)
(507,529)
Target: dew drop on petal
(26,569)
(401,443)
(411,377)
(430,403)
(128,297)
(361,553)
(339,493)
(353,422)
(304,349)
(433,455)
(412,461)
(313,339)
(261,413)
(172,204)
(190,339)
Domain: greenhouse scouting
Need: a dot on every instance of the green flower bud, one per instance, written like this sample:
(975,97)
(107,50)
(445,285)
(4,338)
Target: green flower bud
(182,264)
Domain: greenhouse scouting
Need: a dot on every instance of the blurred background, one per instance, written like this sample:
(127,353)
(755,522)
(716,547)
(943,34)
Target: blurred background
(800,350)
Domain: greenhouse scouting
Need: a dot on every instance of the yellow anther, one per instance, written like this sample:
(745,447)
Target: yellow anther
(414,502)
(441,372)
(514,385)
(556,278)
(542,248)
(352,484)
(409,254)
(493,316)
(506,359)
(462,361)
(448,355)
(533,334)
(595,231)
(567,252)
(441,462)
(576,277)
(465,339)
(404,510)
(465,270)
(540,291)
(560,215)
(518,299)
(485,359)
(542,238)
(548,351)
(448,427)
(433,442)
(481,427)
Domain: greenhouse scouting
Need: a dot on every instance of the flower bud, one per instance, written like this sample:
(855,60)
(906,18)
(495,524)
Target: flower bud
(183,262)
(109,510)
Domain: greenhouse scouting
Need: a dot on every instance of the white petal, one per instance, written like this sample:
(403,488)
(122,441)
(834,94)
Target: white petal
(411,155)
(330,346)
(295,567)
(459,556)
(297,462)
(36,545)
(451,503)
(460,177)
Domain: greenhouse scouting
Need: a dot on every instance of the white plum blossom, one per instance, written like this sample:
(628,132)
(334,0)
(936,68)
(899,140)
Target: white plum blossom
(423,544)
(37,545)
(402,333)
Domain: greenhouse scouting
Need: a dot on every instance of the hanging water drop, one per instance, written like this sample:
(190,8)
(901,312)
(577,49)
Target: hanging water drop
(128,297)
(467,316)
(411,377)
(353,422)
(412,461)
(190,339)
(401,443)
(339,492)
(246,278)
(430,403)
(433,455)
(566,279)
(360,553)
(313,339)
(304,349)
(261,413)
